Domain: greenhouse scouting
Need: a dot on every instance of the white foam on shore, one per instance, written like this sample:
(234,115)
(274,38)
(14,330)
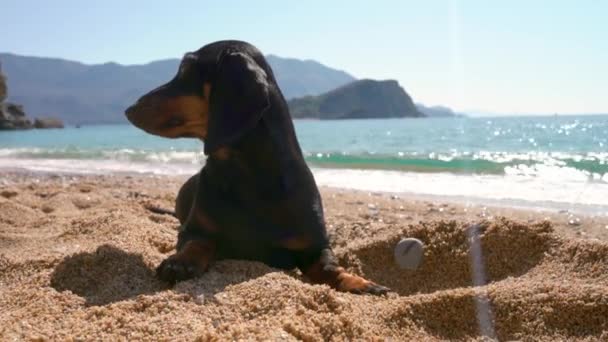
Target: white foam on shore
(546,189)
(508,188)
(94,166)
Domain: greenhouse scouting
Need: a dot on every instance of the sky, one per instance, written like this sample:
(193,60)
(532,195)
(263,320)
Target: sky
(507,57)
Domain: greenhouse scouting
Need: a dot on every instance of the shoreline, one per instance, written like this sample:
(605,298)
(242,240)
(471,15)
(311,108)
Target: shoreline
(575,221)
(355,179)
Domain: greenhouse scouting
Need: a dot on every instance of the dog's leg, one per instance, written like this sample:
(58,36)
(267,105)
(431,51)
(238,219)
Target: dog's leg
(185,199)
(195,249)
(191,260)
(324,269)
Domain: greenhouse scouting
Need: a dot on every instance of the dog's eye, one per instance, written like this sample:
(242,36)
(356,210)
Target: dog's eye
(175,122)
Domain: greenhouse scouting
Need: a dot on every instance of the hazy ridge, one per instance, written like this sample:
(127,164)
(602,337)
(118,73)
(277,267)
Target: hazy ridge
(80,93)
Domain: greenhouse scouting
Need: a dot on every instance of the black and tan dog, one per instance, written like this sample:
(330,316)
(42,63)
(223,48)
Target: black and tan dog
(255,198)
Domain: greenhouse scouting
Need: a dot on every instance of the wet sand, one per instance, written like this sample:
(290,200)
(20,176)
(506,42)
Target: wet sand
(77,259)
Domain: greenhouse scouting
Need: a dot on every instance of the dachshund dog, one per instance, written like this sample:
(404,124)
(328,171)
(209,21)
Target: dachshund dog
(255,198)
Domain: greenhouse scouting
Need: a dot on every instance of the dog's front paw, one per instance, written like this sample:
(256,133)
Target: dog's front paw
(367,288)
(192,260)
(174,269)
(347,282)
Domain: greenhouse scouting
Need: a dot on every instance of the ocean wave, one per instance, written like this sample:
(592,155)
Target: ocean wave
(591,166)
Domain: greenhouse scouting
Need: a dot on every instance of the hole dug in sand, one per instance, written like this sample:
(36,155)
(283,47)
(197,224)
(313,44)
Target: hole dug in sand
(518,310)
(508,249)
(105,276)
(536,283)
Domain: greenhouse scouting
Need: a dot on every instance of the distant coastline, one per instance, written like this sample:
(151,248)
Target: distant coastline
(81,94)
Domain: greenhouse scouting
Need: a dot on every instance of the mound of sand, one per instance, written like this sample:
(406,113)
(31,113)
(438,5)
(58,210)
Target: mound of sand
(77,256)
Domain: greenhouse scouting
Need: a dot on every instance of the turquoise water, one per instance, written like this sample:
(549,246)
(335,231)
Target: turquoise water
(459,145)
(557,162)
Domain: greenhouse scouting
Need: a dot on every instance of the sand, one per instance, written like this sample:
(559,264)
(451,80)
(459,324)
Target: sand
(77,255)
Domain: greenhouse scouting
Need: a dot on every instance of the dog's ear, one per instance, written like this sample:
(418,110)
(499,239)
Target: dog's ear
(239,97)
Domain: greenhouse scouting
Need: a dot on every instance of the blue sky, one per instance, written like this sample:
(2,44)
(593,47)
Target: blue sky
(515,57)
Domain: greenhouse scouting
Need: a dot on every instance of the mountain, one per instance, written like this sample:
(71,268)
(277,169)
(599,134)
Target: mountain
(356,100)
(78,93)
(436,111)
(299,78)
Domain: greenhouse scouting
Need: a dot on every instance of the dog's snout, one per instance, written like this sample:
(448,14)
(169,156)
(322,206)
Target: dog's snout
(129,111)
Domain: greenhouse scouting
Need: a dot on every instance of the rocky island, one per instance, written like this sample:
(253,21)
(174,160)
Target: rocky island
(362,99)
(13,117)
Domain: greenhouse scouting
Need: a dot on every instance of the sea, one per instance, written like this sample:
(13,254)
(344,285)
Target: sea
(558,162)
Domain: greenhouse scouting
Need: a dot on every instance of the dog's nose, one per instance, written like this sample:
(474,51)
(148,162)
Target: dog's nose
(129,112)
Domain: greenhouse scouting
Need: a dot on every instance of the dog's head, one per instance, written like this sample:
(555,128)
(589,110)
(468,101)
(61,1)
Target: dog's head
(218,94)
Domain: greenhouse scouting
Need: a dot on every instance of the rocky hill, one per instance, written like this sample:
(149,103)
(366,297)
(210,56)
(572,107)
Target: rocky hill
(13,117)
(357,100)
(2,86)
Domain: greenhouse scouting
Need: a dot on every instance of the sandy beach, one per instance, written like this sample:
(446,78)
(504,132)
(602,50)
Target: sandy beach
(77,259)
